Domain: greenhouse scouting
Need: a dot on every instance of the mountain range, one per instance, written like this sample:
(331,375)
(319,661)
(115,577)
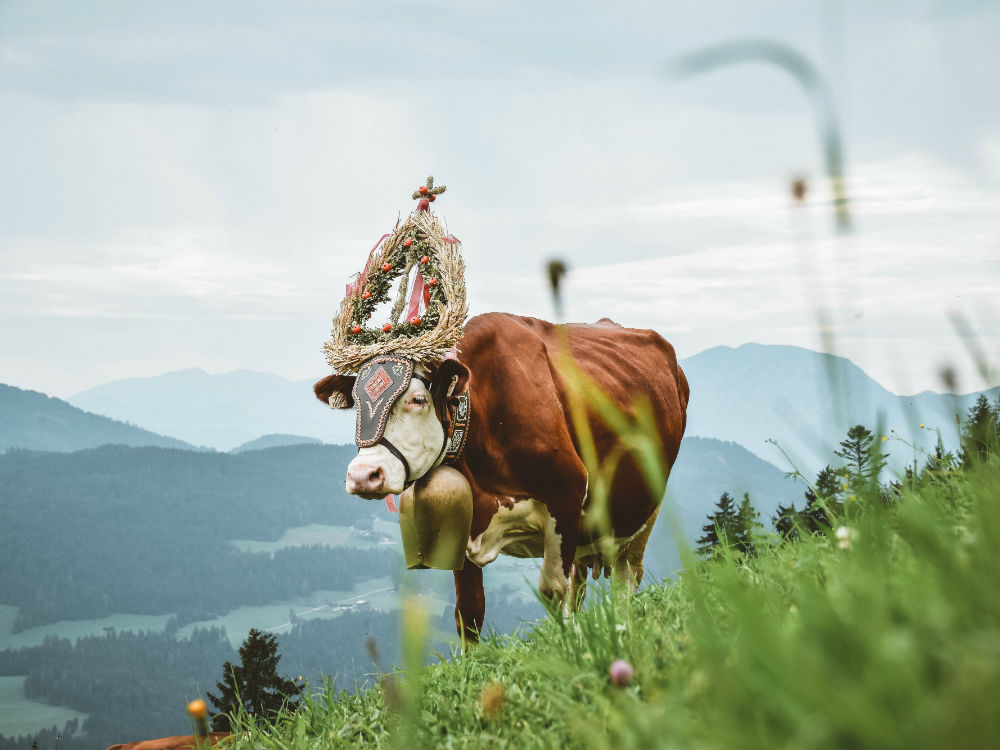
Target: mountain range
(803,400)
(32,420)
(219,411)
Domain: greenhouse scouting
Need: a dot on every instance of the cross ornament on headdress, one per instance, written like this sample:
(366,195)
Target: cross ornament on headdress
(426,194)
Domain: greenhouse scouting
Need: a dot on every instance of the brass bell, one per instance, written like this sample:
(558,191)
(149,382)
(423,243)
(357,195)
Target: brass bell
(435,517)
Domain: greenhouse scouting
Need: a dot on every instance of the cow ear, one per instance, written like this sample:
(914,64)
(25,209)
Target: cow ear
(451,378)
(336,390)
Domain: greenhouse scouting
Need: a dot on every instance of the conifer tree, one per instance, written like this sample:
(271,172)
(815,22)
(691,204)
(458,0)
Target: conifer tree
(254,684)
(748,527)
(721,526)
(981,431)
(815,516)
(862,453)
(786,522)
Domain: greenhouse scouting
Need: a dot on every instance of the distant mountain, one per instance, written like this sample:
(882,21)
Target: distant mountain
(275,441)
(806,401)
(803,399)
(32,420)
(222,411)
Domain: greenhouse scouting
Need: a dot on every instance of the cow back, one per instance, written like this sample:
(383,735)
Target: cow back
(523,437)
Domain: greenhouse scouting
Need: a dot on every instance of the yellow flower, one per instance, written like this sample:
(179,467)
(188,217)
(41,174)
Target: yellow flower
(843,486)
(492,699)
(921,427)
(884,438)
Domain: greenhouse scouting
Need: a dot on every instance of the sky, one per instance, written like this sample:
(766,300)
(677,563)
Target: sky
(191,184)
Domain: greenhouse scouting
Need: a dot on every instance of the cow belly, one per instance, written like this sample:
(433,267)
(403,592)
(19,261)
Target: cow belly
(519,531)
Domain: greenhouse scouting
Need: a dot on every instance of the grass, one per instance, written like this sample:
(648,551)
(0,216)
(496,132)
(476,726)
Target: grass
(893,641)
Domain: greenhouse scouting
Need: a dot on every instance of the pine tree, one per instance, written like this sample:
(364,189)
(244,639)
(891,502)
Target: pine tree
(786,521)
(254,685)
(826,500)
(981,431)
(721,526)
(863,454)
(748,527)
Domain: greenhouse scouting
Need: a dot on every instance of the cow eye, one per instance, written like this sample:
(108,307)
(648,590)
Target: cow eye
(419,400)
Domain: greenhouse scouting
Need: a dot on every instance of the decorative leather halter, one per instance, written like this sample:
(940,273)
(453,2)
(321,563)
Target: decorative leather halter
(379,384)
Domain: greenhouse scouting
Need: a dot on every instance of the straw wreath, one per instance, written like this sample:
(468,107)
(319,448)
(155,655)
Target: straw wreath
(418,242)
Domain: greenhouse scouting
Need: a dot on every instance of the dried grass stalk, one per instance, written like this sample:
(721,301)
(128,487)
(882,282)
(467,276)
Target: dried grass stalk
(346,357)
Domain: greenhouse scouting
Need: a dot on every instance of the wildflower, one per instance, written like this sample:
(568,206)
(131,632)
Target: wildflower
(844,486)
(921,426)
(620,627)
(884,438)
(845,536)
(492,699)
(197,709)
(853,497)
(621,672)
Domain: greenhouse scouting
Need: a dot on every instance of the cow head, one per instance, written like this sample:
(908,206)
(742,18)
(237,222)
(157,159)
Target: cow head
(400,435)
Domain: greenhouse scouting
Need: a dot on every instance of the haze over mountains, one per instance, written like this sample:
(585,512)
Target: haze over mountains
(218,411)
(806,401)
(748,395)
(32,420)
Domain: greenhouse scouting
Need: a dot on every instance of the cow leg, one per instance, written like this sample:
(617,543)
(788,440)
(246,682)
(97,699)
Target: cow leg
(628,564)
(554,582)
(470,601)
(578,585)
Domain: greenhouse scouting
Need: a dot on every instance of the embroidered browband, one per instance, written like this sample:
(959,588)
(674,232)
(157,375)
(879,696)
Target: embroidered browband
(379,383)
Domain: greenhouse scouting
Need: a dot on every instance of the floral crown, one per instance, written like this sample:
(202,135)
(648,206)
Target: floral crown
(435,309)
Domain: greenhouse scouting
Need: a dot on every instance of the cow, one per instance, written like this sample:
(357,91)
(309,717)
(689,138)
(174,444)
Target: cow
(522,456)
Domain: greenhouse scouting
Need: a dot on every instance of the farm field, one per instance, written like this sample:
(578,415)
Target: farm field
(72,629)
(20,715)
(315,533)
(375,592)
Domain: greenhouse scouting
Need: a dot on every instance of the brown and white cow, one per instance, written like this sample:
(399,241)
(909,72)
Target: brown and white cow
(522,458)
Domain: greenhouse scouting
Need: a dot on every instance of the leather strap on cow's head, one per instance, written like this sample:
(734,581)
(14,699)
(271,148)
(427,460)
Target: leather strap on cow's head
(381,380)
(379,384)
(456,425)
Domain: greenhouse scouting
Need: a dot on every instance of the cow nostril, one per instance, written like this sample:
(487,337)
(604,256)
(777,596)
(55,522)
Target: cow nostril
(375,475)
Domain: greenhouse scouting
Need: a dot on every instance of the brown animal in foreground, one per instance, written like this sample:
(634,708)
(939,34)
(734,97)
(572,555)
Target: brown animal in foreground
(178,742)
(522,458)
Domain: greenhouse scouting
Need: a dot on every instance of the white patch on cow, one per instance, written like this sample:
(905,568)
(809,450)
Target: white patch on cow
(517,531)
(415,431)
(552,581)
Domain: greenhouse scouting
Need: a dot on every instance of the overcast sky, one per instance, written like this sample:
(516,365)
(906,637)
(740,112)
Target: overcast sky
(190,184)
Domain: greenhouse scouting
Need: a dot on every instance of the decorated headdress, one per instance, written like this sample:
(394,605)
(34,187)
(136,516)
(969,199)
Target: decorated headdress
(435,309)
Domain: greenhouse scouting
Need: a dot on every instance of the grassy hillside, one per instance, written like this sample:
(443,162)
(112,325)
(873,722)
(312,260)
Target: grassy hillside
(32,420)
(882,632)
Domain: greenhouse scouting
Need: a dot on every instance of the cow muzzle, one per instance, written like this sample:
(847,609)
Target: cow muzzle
(366,480)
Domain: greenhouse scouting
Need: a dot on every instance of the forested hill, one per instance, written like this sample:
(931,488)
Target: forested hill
(145,530)
(32,420)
